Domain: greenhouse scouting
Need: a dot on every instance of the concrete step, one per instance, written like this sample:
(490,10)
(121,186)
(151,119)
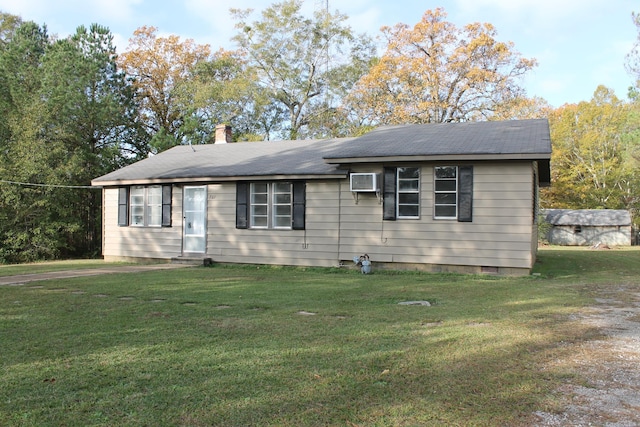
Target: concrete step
(192,260)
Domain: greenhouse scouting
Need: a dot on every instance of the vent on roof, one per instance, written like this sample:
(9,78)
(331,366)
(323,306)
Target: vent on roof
(364,182)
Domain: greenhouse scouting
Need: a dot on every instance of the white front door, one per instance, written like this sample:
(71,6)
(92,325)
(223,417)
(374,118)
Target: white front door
(195,220)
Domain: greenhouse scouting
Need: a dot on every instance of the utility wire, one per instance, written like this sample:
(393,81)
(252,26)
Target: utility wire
(29,184)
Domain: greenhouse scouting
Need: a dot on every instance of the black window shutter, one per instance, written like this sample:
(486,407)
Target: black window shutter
(389,194)
(465,193)
(299,201)
(166,205)
(123,206)
(242,205)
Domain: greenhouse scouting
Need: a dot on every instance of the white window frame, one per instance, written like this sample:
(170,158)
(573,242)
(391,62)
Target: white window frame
(402,189)
(145,206)
(271,207)
(445,191)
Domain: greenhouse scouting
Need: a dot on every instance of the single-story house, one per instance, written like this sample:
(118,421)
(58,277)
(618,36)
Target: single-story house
(588,227)
(437,197)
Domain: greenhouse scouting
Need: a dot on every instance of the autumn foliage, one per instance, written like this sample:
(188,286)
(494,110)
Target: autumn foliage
(157,66)
(436,72)
(595,155)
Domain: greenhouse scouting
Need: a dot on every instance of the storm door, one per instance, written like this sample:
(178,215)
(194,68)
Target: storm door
(195,220)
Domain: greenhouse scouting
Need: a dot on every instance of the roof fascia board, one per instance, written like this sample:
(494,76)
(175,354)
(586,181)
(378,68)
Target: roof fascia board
(441,157)
(152,181)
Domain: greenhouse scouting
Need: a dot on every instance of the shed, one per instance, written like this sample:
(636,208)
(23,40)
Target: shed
(588,227)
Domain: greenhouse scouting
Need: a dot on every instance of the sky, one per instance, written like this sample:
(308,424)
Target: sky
(579,44)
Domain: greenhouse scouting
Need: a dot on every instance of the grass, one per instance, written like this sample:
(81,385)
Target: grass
(268,346)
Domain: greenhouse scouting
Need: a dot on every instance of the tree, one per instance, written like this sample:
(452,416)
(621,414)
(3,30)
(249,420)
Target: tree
(92,100)
(633,57)
(225,90)
(593,163)
(8,25)
(93,116)
(522,108)
(297,59)
(20,60)
(70,116)
(26,229)
(436,72)
(158,66)
(20,81)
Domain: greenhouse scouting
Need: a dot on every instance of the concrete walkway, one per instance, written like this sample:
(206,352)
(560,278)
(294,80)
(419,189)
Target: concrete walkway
(65,274)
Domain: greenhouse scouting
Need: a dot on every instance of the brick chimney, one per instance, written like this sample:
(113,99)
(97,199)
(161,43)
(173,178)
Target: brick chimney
(223,134)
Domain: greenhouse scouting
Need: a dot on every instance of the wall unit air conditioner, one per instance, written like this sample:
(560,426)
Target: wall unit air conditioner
(364,182)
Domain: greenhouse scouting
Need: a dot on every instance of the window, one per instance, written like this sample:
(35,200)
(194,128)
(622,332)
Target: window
(408,192)
(281,205)
(260,205)
(270,205)
(446,192)
(145,206)
(453,193)
(401,193)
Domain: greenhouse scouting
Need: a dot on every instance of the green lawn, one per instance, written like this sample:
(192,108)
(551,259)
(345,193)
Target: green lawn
(260,346)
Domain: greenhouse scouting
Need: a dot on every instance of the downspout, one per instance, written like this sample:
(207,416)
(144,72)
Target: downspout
(339,220)
(182,217)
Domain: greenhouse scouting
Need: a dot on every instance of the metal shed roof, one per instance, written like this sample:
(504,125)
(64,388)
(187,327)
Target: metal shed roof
(588,217)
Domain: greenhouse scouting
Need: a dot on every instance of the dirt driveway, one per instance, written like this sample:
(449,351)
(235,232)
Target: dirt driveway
(606,388)
(27,278)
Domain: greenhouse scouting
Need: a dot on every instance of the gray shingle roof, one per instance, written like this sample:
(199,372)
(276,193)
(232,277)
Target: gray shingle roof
(231,160)
(529,138)
(588,217)
(521,139)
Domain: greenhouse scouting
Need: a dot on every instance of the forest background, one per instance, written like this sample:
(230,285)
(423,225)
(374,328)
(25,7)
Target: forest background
(72,108)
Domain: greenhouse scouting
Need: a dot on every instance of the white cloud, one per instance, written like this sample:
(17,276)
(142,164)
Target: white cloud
(64,16)
(18,7)
(120,41)
(28,10)
(362,20)
(549,10)
(553,85)
(216,26)
(115,9)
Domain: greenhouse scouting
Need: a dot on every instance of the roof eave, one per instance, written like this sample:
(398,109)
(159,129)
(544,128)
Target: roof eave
(439,157)
(207,179)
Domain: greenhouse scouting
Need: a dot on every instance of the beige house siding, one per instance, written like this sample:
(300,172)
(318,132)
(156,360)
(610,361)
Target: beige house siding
(499,236)
(314,246)
(341,225)
(140,242)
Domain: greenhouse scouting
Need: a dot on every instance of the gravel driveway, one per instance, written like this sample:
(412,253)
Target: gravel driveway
(606,387)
